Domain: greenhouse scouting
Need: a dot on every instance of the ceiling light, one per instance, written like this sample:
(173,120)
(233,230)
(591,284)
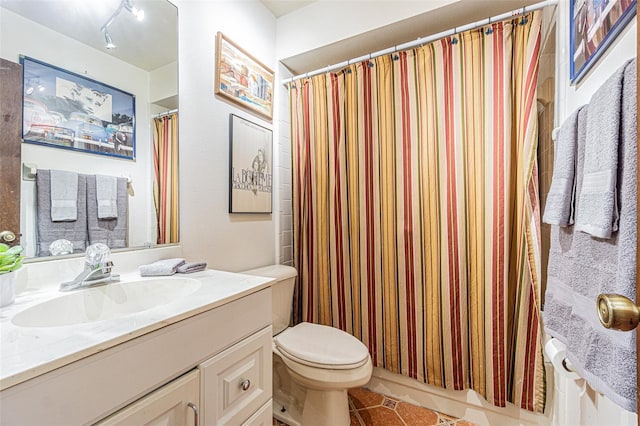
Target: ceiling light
(108,41)
(138,13)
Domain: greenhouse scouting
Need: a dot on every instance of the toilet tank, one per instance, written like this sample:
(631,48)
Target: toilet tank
(282,293)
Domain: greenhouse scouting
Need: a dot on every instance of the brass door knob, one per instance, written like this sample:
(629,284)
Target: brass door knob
(618,312)
(7,236)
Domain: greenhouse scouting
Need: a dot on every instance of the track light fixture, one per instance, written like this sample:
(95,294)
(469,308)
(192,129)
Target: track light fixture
(126,4)
(108,40)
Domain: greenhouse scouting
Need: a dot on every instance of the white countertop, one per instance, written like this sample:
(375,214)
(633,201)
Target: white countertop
(27,352)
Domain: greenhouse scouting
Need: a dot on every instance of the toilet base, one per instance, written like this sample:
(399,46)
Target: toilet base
(326,408)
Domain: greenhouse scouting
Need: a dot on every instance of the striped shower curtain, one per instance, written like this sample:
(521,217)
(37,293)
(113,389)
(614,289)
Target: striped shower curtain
(415,210)
(165,185)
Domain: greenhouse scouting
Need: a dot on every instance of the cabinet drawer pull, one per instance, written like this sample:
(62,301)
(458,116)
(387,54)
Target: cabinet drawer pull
(196,417)
(245,385)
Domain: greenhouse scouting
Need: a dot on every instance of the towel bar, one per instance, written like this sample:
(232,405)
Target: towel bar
(29,172)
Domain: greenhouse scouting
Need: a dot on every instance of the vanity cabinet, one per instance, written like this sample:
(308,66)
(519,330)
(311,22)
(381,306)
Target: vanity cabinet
(212,352)
(174,404)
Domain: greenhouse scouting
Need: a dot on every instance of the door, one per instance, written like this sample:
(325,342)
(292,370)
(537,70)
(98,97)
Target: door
(10,139)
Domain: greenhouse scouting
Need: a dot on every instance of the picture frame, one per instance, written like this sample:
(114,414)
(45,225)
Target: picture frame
(250,167)
(62,109)
(242,79)
(595,24)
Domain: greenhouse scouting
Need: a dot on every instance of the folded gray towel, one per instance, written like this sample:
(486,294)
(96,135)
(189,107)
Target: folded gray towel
(161,267)
(48,230)
(106,194)
(598,212)
(190,267)
(559,208)
(64,196)
(112,232)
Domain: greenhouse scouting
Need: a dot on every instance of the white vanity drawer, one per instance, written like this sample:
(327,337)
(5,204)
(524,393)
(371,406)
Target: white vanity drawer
(237,382)
(262,417)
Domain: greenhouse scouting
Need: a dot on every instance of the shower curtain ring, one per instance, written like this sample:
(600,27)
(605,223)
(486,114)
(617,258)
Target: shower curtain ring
(524,19)
(489,30)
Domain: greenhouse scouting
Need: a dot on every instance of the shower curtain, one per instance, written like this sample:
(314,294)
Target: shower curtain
(416,210)
(165,184)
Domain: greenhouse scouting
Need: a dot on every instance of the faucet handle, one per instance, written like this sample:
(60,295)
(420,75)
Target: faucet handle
(97,254)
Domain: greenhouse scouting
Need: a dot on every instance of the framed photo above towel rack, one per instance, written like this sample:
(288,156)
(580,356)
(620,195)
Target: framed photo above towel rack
(250,167)
(595,24)
(63,109)
(243,79)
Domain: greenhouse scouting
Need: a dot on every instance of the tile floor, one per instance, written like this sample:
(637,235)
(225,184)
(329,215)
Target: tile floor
(373,409)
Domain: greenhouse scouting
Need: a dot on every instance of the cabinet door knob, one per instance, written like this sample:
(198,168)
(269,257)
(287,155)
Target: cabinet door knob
(245,385)
(196,416)
(7,236)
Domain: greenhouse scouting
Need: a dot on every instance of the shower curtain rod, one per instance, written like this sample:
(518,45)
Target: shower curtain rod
(428,39)
(162,114)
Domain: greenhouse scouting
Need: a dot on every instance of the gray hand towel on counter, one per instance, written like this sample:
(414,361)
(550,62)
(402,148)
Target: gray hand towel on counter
(560,203)
(107,194)
(161,267)
(189,267)
(581,267)
(598,213)
(112,232)
(48,230)
(64,195)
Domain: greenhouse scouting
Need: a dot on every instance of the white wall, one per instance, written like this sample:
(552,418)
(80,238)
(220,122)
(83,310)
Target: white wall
(307,28)
(575,403)
(21,36)
(207,231)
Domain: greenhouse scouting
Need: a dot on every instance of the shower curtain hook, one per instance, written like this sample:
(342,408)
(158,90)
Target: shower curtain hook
(454,39)
(489,29)
(524,19)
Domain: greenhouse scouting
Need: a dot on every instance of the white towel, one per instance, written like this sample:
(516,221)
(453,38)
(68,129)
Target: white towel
(560,202)
(161,267)
(598,212)
(106,193)
(64,196)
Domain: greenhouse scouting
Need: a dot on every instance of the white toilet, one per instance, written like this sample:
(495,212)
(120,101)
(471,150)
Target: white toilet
(313,365)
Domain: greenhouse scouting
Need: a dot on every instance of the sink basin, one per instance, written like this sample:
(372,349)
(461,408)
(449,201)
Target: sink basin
(106,302)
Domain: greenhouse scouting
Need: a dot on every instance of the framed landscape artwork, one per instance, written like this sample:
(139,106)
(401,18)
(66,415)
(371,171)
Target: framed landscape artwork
(594,26)
(251,167)
(243,79)
(66,110)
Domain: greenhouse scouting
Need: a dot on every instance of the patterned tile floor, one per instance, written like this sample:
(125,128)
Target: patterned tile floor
(373,409)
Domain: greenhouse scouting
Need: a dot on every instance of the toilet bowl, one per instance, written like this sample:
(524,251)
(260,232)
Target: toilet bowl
(314,365)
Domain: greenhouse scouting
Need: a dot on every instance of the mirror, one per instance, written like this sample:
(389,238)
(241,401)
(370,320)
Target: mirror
(69,34)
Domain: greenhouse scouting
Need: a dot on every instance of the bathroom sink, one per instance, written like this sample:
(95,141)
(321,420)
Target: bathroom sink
(106,302)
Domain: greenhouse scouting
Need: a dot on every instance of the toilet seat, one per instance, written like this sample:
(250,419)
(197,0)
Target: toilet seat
(323,347)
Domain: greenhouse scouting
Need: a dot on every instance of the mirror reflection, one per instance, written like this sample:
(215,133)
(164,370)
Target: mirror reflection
(129,45)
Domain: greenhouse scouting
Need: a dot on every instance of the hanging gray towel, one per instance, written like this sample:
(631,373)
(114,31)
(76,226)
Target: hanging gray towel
(560,205)
(107,195)
(598,213)
(112,232)
(581,267)
(64,195)
(48,230)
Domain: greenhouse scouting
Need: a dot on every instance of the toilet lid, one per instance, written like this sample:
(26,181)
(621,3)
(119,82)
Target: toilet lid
(320,345)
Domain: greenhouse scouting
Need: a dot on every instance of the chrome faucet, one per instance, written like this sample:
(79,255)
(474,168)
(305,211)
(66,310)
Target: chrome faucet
(97,269)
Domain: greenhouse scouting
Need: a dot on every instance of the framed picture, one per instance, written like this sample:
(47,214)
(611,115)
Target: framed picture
(594,26)
(66,110)
(243,79)
(251,167)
